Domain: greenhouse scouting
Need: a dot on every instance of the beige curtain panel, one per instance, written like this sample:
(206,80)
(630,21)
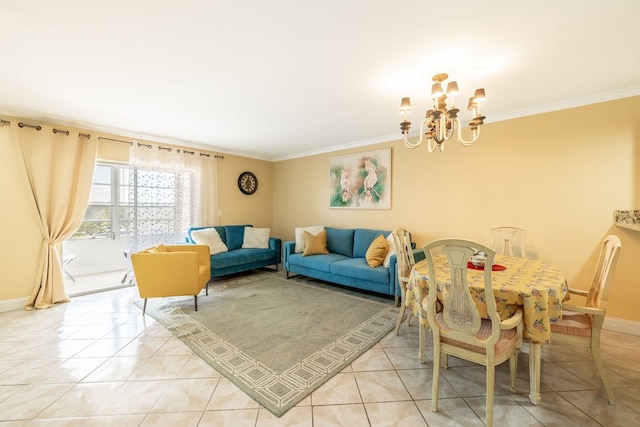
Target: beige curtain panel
(59,169)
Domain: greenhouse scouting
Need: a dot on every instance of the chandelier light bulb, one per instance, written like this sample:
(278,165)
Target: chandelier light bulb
(436,90)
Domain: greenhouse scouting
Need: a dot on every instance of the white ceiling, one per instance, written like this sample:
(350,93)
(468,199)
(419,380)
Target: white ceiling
(282,78)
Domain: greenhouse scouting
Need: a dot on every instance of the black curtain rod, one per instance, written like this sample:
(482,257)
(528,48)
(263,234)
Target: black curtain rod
(38,128)
(149,146)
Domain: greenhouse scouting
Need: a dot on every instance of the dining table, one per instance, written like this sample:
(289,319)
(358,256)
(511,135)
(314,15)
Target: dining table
(537,287)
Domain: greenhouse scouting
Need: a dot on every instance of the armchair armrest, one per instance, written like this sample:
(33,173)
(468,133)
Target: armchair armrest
(512,321)
(275,243)
(515,321)
(288,249)
(585,310)
(203,252)
(578,292)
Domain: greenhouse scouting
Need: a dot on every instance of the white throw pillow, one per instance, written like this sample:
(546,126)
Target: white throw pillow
(210,237)
(299,234)
(392,250)
(256,237)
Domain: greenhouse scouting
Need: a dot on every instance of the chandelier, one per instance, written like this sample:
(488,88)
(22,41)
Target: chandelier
(442,123)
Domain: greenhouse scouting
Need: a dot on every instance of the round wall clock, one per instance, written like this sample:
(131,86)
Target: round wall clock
(247,183)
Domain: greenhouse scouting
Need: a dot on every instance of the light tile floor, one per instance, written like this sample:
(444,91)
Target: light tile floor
(96,361)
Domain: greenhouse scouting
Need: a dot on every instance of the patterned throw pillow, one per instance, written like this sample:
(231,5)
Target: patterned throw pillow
(211,238)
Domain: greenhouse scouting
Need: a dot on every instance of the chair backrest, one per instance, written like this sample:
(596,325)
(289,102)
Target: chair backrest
(508,237)
(458,307)
(603,275)
(404,252)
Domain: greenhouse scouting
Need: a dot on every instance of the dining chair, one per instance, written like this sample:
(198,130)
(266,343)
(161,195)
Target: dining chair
(405,262)
(506,238)
(582,324)
(456,324)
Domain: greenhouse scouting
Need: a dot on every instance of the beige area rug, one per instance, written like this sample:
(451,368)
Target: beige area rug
(277,339)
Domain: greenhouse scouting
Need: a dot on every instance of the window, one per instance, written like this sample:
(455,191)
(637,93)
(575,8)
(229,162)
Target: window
(108,213)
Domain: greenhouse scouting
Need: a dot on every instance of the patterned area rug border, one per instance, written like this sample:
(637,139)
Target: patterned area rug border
(276,391)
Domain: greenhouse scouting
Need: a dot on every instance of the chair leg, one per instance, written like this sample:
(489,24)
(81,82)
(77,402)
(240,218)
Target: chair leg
(195,301)
(144,306)
(491,378)
(513,370)
(403,309)
(436,378)
(422,343)
(595,353)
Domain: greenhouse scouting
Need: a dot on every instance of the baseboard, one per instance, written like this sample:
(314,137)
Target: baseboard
(13,304)
(621,325)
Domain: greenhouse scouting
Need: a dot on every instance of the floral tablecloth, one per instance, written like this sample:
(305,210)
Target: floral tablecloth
(536,286)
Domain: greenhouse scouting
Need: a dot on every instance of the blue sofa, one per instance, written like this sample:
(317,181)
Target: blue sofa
(345,264)
(238,259)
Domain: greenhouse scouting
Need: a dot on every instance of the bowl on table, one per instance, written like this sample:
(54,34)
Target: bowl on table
(478,260)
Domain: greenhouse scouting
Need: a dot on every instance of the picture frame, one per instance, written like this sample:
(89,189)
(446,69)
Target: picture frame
(361,180)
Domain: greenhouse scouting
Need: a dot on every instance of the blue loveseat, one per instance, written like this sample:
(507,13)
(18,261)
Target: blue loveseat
(238,259)
(346,264)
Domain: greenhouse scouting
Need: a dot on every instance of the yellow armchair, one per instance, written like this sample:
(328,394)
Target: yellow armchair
(172,270)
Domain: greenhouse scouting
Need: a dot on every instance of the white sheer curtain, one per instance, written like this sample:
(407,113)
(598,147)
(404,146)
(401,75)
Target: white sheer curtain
(170,190)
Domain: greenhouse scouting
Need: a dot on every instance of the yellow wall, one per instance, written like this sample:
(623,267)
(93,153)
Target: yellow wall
(18,222)
(560,175)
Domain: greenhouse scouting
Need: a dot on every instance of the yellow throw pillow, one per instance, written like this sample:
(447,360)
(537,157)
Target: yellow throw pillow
(377,251)
(159,248)
(315,244)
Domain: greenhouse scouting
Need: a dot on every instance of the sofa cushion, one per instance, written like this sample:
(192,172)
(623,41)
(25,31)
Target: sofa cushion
(358,268)
(340,241)
(377,251)
(316,262)
(256,237)
(235,236)
(315,244)
(299,235)
(362,239)
(209,237)
(240,256)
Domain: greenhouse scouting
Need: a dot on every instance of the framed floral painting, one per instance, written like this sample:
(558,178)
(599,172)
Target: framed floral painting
(361,181)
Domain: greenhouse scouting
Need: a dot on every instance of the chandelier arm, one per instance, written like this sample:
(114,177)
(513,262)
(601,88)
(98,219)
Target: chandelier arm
(475,133)
(442,134)
(408,143)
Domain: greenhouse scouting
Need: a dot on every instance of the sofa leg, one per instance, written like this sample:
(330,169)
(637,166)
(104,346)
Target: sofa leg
(195,300)
(207,291)
(287,274)
(144,306)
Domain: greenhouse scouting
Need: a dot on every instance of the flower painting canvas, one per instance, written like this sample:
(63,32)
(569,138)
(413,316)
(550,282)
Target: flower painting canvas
(361,181)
